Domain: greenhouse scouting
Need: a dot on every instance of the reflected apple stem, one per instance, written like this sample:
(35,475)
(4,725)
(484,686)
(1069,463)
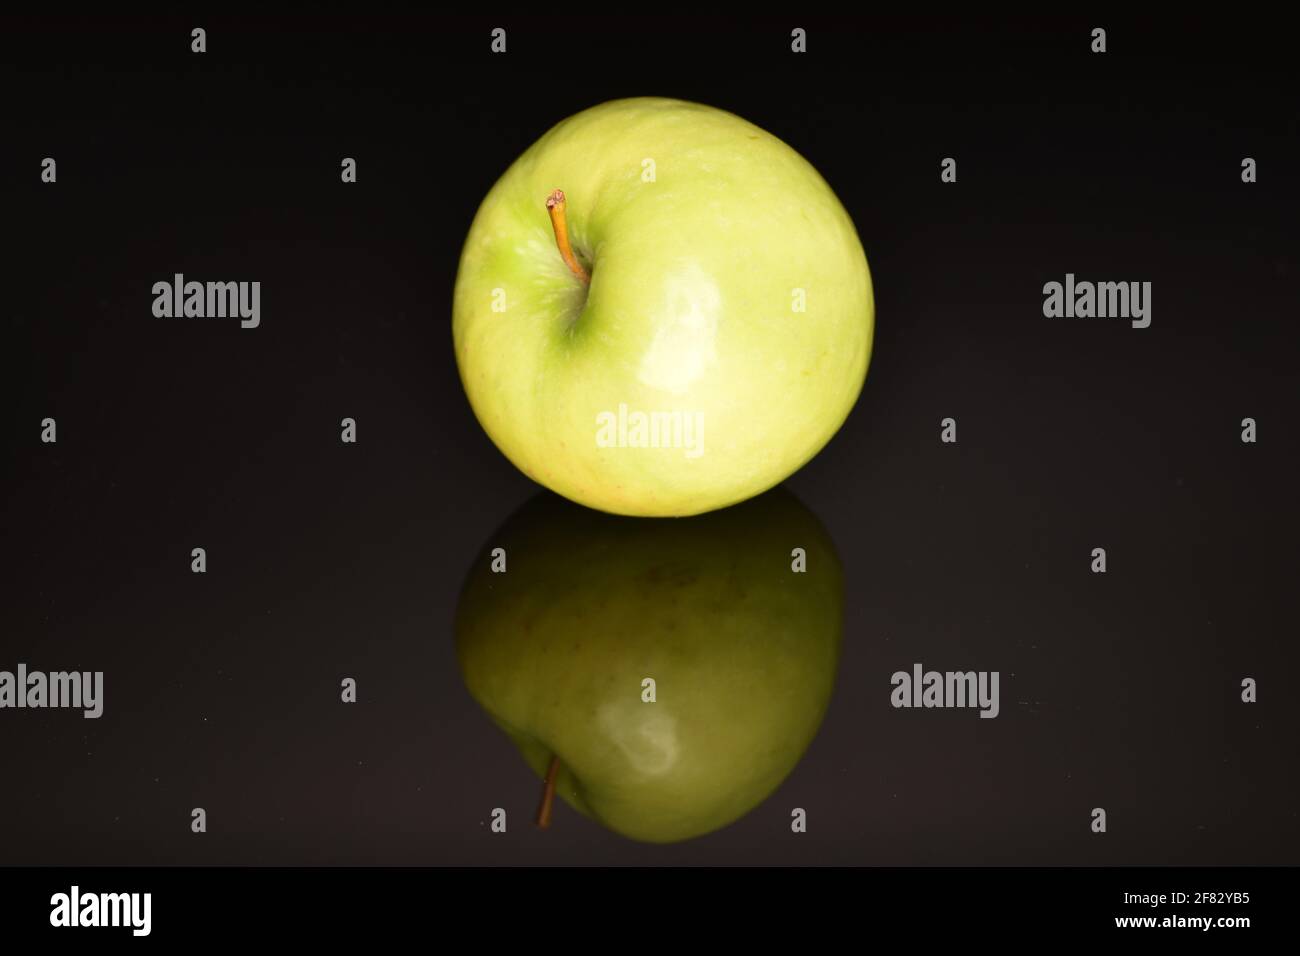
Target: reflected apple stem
(543,818)
(555,206)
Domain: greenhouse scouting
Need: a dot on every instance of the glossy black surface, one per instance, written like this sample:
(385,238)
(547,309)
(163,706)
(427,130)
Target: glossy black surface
(328,560)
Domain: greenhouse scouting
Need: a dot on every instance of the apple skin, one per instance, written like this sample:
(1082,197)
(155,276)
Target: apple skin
(743,651)
(690,310)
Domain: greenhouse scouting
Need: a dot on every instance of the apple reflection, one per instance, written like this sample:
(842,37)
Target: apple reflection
(663,676)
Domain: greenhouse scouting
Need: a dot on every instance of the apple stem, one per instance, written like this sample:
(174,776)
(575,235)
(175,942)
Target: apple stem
(543,818)
(555,206)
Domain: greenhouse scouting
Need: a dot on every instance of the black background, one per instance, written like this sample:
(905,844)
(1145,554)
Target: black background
(328,560)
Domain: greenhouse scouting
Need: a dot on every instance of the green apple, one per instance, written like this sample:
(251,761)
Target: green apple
(741,648)
(661,310)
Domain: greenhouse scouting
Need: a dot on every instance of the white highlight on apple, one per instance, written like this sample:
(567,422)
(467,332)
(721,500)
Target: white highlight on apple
(647,736)
(684,344)
(628,428)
